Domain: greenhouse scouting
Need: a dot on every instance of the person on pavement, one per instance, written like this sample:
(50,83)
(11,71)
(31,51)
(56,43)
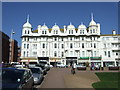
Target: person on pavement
(73,68)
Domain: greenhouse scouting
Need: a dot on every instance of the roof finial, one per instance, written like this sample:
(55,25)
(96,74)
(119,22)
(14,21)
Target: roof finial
(44,23)
(55,23)
(91,16)
(81,23)
(28,18)
(70,23)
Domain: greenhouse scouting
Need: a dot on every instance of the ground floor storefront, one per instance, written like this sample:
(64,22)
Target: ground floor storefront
(88,61)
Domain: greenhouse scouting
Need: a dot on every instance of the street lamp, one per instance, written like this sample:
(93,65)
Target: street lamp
(10,57)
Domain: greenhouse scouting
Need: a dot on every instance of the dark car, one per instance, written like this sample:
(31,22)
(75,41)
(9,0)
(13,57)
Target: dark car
(16,78)
(42,66)
(37,74)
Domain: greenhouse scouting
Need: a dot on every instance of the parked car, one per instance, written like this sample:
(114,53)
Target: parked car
(43,68)
(37,74)
(80,67)
(97,67)
(51,66)
(60,65)
(44,64)
(111,66)
(19,66)
(16,78)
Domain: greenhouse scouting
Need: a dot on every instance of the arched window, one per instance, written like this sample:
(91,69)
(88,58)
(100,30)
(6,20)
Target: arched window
(71,53)
(56,31)
(24,45)
(94,45)
(42,32)
(82,45)
(83,31)
(45,32)
(55,45)
(80,31)
(93,30)
(62,46)
(25,31)
(43,53)
(90,31)
(43,45)
(27,46)
(27,53)
(62,54)
(28,32)
(82,38)
(55,53)
(71,46)
(55,39)
(71,31)
(24,53)
(94,53)
(83,53)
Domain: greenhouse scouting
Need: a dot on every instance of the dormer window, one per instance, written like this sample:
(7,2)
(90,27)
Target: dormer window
(25,31)
(56,31)
(42,32)
(28,32)
(80,31)
(71,31)
(93,30)
(90,31)
(83,31)
(45,32)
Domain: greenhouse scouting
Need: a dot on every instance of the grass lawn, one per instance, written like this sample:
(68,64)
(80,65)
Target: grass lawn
(107,80)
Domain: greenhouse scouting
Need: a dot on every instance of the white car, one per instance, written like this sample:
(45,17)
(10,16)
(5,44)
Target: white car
(80,67)
(60,65)
(110,65)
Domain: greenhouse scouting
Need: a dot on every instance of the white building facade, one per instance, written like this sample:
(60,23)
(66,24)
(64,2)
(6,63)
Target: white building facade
(69,44)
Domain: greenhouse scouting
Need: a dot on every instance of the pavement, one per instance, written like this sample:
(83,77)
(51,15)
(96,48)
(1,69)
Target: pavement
(62,78)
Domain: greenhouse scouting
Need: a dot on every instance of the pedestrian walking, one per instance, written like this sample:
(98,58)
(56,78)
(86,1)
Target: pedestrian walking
(73,68)
(92,68)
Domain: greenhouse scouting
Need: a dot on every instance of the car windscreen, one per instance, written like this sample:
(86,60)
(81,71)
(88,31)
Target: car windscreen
(35,70)
(12,76)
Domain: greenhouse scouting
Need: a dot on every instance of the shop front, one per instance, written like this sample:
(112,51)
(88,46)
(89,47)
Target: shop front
(71,60)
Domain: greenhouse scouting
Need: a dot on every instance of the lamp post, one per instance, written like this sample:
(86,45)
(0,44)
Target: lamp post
(10,57)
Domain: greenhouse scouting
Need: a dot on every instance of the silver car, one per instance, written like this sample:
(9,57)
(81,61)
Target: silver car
(37,74)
